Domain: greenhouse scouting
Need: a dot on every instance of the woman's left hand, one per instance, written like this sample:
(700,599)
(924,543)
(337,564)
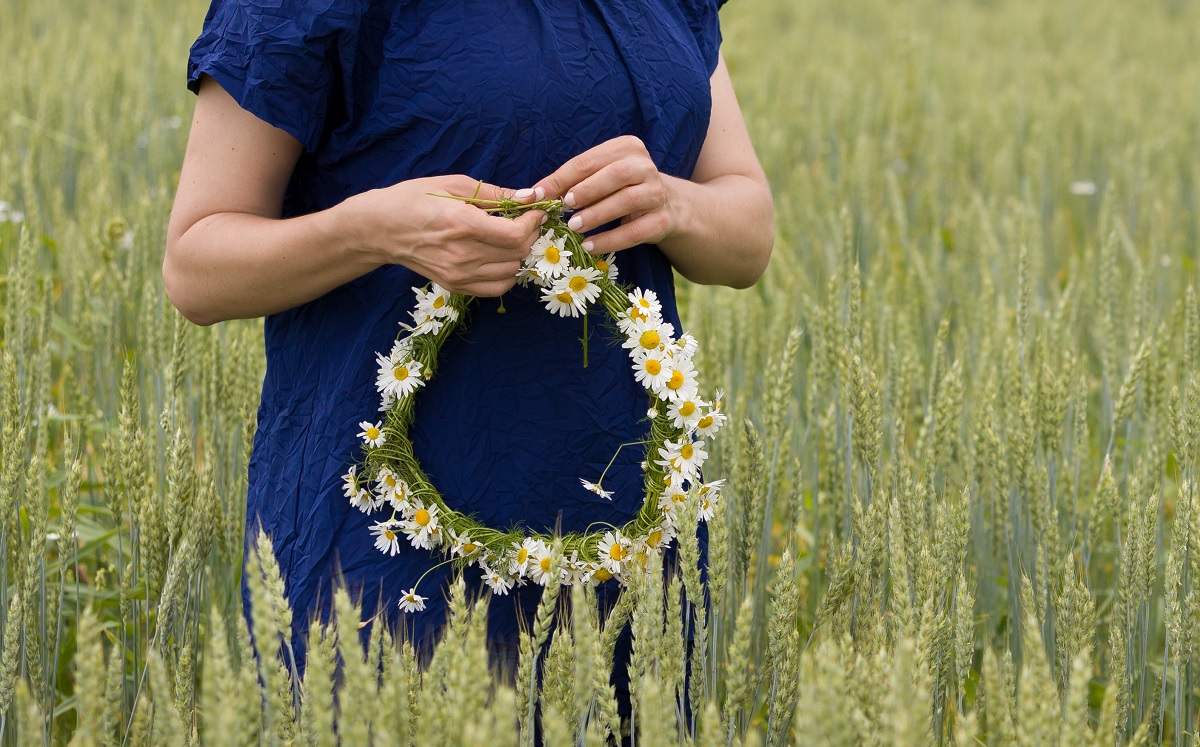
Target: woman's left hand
(616,179)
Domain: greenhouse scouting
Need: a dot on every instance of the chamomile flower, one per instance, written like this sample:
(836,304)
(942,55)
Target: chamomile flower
(628,320)
(359,496)
(522,556)
(580,282)
(435,302)
(651,368)
(371,433)
(562,302)
(464,546)
(683,458)
(613,551)
(685,412)
(528,274)
(680,382)
(550,255)
(595,488)
(608,265)
(392,489)
(710,494)
(387,539)
(411,601)
(710,422)
(422,526)
(401,348)
(659,537)
(707,508)
(543,564)
(671,498)
(425,324)
(496,581)
(686,346)
(647,335)
(397,377)
(647,302)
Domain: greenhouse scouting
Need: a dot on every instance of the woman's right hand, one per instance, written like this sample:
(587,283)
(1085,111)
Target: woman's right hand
(455,244)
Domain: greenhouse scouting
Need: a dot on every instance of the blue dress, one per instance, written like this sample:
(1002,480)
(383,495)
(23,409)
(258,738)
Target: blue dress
(379,92)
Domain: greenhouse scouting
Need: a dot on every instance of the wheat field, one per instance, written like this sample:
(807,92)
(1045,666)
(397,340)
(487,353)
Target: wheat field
(965,414)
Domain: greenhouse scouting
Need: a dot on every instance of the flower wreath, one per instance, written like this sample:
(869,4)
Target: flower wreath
(571,279)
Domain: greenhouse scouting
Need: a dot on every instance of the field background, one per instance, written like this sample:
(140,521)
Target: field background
(966,412)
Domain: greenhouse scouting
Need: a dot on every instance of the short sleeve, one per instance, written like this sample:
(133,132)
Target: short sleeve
(706,24)
(275,58)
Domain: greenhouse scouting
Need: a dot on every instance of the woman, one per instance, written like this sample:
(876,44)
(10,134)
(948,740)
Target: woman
(320,130)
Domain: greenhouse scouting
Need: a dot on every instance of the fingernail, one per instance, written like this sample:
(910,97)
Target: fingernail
(521,194)
(589,245)
(545,217)
(575,223)
(569,200)
(539,193)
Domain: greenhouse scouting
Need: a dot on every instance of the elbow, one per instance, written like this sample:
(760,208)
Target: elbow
(181,292)
(758,252)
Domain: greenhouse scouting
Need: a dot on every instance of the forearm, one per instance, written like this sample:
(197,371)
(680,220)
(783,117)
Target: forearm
(232,265)
(724,229)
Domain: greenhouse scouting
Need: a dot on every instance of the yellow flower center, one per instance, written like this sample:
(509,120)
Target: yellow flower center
(616,552)
(389,534)
(687,408)
(678,497)
(705,421)
(602,574)
(653,367)
(654,538)
(372,433)
(421,517)
(545,564)
(635,314)
(645,304)
(552,254)
(676,379)
(400,372)
(649,339)
(439,302)
(522,556)
(563,297)
(687,451)
(578,283)
(390,481)
(468,548)
(602,265)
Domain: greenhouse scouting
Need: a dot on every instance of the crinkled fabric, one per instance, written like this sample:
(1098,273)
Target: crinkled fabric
(379,92)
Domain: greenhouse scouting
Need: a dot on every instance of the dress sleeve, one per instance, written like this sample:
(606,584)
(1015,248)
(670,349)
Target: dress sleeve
(706,24)
(275,58)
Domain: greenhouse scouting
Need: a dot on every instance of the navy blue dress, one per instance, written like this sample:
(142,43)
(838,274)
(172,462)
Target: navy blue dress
(504,91)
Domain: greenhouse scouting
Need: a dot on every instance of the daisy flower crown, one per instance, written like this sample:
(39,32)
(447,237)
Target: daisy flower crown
(389,482)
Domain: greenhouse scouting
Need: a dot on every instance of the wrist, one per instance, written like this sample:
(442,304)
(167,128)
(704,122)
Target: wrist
(679,208)
(353,234)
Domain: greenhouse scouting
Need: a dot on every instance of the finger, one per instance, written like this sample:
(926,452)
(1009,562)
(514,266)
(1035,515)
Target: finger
(628,202)
(645,229)
(489,272)
(513,235)
(612,177)
(461,185)
(587,163)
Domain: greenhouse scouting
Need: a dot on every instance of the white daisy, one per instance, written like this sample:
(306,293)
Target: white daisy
(685,412)
(580,282)
(659,537)
(595,573)
(649,334)
(595,488)
(435,302)
(562,302)
(686,346)
(464,546)
(522,556)
(613,550)
(646,301)
(549,255)
(671,498)
(608,265)
(680,383)
(371,433)
(392,489)
(411,601)
(630,318)
(684,459)
(401,348)
(707,508)
(387,540)
(359,496)
(651,368)
(396,377)
(541,568)
(710,422)
(422,527)
(496,581)
(425,324)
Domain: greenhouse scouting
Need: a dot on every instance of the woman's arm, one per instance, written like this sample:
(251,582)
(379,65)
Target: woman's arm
(230,256)
(716,228)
